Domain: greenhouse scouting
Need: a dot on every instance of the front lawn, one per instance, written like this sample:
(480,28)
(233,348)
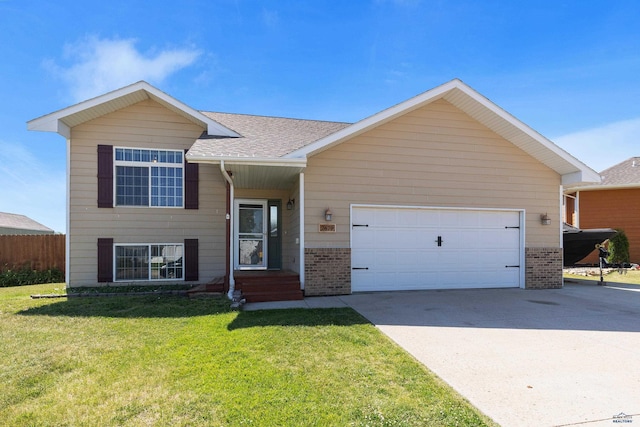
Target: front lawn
(171,361)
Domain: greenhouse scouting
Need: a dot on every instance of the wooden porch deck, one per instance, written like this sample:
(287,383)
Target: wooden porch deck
(258,285)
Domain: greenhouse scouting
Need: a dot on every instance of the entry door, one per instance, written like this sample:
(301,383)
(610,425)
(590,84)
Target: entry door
(251,234)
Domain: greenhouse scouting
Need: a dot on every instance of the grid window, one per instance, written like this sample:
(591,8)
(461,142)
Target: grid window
(132,262)
(149,177)
(148,262)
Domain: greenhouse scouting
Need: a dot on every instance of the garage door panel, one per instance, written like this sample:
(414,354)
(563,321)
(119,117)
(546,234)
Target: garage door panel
(399,247)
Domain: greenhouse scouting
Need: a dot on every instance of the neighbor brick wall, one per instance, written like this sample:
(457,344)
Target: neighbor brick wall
(612,209)
(543,268)
(327,271)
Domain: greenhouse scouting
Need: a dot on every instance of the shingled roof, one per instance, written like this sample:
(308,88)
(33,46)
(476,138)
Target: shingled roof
(261,136)
(624,173)
(19,224)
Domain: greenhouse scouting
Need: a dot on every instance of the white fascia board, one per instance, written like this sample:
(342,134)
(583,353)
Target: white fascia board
(213,127)
(250,161)
(374,120)
(48,122)
(51,122)
(587,174)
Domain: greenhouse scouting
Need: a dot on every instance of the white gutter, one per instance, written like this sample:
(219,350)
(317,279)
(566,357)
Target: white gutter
(232,281)
(601,187)
(250,161)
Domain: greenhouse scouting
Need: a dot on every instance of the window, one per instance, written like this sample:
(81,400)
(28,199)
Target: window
(148,262)
(149,177)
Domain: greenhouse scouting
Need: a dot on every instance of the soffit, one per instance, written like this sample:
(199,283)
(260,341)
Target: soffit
(264,177)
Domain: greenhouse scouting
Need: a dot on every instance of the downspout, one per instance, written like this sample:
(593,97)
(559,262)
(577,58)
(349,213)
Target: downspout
(232,282)
(576,208)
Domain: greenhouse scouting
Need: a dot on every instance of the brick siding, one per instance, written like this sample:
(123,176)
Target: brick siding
(327,271)
(543,268)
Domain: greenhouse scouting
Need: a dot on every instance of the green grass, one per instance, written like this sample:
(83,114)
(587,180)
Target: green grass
(171,361)
(631,277)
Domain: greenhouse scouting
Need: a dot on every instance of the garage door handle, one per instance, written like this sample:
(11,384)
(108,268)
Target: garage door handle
(360,225)
(439,241)
(511,266)
(359,268)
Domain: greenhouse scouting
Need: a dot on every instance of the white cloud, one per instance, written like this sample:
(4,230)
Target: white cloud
(98,65)
(604,146)
(31,187)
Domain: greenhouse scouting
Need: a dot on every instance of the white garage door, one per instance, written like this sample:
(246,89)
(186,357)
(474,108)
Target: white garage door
(422,248)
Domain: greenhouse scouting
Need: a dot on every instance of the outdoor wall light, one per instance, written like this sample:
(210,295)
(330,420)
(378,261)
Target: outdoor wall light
(328,214)
(290,204)
(544,219)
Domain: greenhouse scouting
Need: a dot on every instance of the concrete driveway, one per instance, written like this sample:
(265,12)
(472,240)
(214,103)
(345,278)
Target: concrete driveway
(524,357)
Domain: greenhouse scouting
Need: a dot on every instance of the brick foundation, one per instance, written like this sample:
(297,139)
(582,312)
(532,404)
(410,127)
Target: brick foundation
(327,271)
(543,268)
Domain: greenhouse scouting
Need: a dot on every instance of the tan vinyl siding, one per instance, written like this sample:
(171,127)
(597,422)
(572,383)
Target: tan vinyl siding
(433,156)
(291,249)
(143,125)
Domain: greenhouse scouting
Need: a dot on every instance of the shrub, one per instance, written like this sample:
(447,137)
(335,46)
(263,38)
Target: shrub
(618,248)
(25,275)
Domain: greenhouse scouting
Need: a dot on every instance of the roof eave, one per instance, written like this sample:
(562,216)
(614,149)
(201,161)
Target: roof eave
(58,121)
(580,176)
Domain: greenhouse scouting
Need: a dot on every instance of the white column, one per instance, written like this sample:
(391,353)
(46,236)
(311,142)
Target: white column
(301,207)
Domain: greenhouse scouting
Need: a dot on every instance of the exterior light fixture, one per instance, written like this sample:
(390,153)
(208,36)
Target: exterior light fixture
(544,219)
(328,214)
(290,204)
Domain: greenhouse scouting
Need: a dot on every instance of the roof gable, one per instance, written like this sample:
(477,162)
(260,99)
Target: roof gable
(63,120)
(479,108)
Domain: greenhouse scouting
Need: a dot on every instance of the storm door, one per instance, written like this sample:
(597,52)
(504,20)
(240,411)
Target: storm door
(251,234)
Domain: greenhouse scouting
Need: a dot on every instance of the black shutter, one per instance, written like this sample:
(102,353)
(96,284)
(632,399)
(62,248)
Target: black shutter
(105,260)
(105,176)
(190,260)
(191,178)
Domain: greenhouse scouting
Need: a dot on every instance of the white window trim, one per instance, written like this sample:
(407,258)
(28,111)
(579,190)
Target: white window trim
(148,279)
(117,163)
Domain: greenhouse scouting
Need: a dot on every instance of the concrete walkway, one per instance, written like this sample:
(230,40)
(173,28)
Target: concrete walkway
(523,357)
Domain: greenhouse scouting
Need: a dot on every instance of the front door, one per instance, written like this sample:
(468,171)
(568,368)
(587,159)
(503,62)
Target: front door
(251,234)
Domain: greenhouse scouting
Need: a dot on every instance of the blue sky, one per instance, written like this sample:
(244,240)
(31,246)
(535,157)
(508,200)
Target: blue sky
(568,69)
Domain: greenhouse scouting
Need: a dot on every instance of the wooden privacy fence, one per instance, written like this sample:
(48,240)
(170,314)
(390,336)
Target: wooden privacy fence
(39,251)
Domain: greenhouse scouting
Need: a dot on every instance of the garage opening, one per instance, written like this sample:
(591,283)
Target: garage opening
(413,248)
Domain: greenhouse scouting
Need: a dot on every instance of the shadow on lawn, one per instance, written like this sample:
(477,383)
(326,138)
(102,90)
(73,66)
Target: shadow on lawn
(297,317)
(152,306)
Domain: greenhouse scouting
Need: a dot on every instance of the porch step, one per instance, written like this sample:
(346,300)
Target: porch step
(269,287)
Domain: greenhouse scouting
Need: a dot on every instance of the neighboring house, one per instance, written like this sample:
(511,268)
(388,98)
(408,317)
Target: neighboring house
(613,203)
(12,224)
(444,190)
